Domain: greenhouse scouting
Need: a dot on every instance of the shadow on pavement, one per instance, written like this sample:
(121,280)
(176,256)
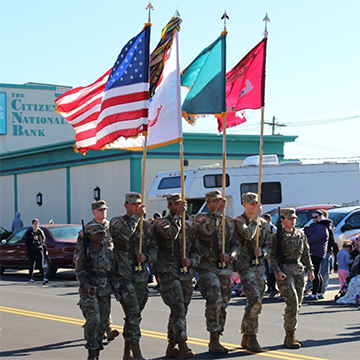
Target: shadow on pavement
(55,346)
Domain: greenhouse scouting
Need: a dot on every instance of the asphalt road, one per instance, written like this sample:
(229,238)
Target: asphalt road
(44,322)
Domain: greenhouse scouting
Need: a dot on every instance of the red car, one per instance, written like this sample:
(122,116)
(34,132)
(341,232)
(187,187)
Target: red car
(60,241)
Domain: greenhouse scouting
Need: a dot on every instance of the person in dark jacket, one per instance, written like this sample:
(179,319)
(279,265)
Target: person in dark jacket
(328,262)
(16,223)
(318,236)
(35,250)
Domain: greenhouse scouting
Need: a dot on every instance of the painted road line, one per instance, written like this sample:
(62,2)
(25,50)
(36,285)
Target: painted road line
(159,335)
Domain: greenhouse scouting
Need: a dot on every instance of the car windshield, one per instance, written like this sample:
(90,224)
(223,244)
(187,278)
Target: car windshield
(336,217)
(65,232)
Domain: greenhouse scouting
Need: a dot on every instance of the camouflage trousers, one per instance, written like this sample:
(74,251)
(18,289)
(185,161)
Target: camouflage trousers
(292,289)
(176,294)
(216,290)
(96,311)
(253,286)
(134,296)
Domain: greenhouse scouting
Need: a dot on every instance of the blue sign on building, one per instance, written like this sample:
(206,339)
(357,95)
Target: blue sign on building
(2,113)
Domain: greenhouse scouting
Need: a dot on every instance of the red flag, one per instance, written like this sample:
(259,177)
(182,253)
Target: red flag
(245,86)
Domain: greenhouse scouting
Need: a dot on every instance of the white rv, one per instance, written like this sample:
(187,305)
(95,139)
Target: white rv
(283,184)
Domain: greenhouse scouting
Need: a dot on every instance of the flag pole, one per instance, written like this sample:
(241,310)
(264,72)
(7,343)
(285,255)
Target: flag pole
(183,269)
(183,224)
(143,168)
(261,149)
(223,185)
(224,17)
(149,7)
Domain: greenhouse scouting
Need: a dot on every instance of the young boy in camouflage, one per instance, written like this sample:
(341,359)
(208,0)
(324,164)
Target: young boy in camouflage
(96,274)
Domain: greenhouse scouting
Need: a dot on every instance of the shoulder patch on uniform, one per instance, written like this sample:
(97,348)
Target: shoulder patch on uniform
(201,218)
(114,221)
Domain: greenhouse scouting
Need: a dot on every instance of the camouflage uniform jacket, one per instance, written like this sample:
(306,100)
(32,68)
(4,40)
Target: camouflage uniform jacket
(125,234)
(295,250)
(246,230)
(208,228)
(107,241)
(169,238)
(103,271)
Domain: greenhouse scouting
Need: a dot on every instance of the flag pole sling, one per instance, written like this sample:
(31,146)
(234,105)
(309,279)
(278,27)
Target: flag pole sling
(223,186)
(260,177)
(142,198)
(183,224)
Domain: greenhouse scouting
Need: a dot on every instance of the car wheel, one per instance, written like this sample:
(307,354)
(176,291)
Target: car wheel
(49,269)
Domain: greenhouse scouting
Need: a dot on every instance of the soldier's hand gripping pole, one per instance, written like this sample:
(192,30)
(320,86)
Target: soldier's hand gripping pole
(138,268)
(183,269)
(257,235)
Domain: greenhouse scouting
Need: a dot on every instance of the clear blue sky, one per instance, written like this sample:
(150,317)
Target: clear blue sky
(313,56)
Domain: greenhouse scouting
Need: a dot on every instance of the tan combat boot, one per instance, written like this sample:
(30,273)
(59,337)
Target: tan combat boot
(136,352)
(111,333)
(253,344)
(184,351)
(214,344)
(127,351)
(171,350)
(245,341)
(290,340)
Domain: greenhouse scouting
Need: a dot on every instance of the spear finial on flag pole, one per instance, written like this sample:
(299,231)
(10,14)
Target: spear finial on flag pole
(149,7)
(266,19)
(224,17)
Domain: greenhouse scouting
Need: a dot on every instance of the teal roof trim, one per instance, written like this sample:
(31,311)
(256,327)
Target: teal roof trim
(195,146)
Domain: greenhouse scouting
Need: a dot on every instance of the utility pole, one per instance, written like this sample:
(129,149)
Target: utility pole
(273,124)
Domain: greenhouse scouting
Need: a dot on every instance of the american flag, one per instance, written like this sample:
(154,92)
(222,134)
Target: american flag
(115,105)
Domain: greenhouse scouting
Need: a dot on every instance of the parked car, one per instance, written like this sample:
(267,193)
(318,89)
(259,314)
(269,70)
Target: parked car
(347,224)
(60,241)
(303,213)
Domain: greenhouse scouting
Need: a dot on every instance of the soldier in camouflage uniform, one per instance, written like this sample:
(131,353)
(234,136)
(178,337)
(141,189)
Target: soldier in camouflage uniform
(250,266)
(96,274)
(99,211)
(132,269)
(175,285)
(289,257)
(215,267)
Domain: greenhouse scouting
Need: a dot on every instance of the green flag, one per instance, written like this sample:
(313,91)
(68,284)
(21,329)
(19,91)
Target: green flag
(206,79)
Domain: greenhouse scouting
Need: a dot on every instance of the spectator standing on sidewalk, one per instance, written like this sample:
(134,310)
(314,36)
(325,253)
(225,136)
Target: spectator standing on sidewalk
(16,223)
(328,262)
(35,250)
(318,236)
